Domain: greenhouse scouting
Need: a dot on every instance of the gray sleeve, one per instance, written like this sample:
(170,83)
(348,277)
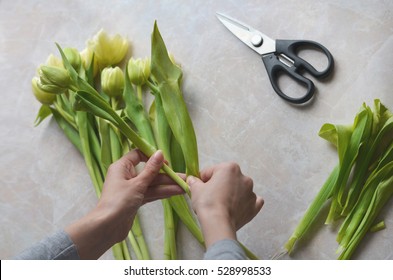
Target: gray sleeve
(57,246)
(225,250)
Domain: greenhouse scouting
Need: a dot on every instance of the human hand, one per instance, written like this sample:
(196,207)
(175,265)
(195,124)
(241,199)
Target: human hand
(124,191)
(224,201)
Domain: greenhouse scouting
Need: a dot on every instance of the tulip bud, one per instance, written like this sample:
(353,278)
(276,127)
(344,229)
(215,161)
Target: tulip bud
(108,51)
(138,70)
(112,81)
(54,61)
(87,59)
(50,88)
(42,96)
(54,76)
(73,57)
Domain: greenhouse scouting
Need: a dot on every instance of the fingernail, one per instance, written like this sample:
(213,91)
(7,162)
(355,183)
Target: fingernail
(157,156)
(191,180)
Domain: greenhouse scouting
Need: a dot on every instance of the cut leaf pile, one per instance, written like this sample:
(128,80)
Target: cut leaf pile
(361,183)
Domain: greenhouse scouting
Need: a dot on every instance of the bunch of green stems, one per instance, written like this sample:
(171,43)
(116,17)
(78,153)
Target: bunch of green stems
(100,144)
(105,122)
(361,183)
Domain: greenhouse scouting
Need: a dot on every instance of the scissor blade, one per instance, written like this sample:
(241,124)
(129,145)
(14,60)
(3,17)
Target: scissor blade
(247,35)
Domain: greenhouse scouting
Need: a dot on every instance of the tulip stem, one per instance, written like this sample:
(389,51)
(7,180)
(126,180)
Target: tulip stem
(139,92)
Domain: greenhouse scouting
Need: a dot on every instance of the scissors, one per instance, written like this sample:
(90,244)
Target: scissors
(280,56)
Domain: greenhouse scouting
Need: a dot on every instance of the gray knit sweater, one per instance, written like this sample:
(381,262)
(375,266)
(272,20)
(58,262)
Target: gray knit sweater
(59,246)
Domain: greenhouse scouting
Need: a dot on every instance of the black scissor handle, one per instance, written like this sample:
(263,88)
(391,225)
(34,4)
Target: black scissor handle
(274,67)
(290,48)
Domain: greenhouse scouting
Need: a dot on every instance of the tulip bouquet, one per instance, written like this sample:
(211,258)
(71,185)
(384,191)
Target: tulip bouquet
(102,110)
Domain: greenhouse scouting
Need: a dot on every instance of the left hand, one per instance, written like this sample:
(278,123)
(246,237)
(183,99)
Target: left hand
(124,191)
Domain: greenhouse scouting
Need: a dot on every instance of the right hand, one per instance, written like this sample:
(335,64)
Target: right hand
(223,200)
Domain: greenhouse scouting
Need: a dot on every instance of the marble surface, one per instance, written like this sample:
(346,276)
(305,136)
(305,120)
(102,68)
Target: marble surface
(44,184)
